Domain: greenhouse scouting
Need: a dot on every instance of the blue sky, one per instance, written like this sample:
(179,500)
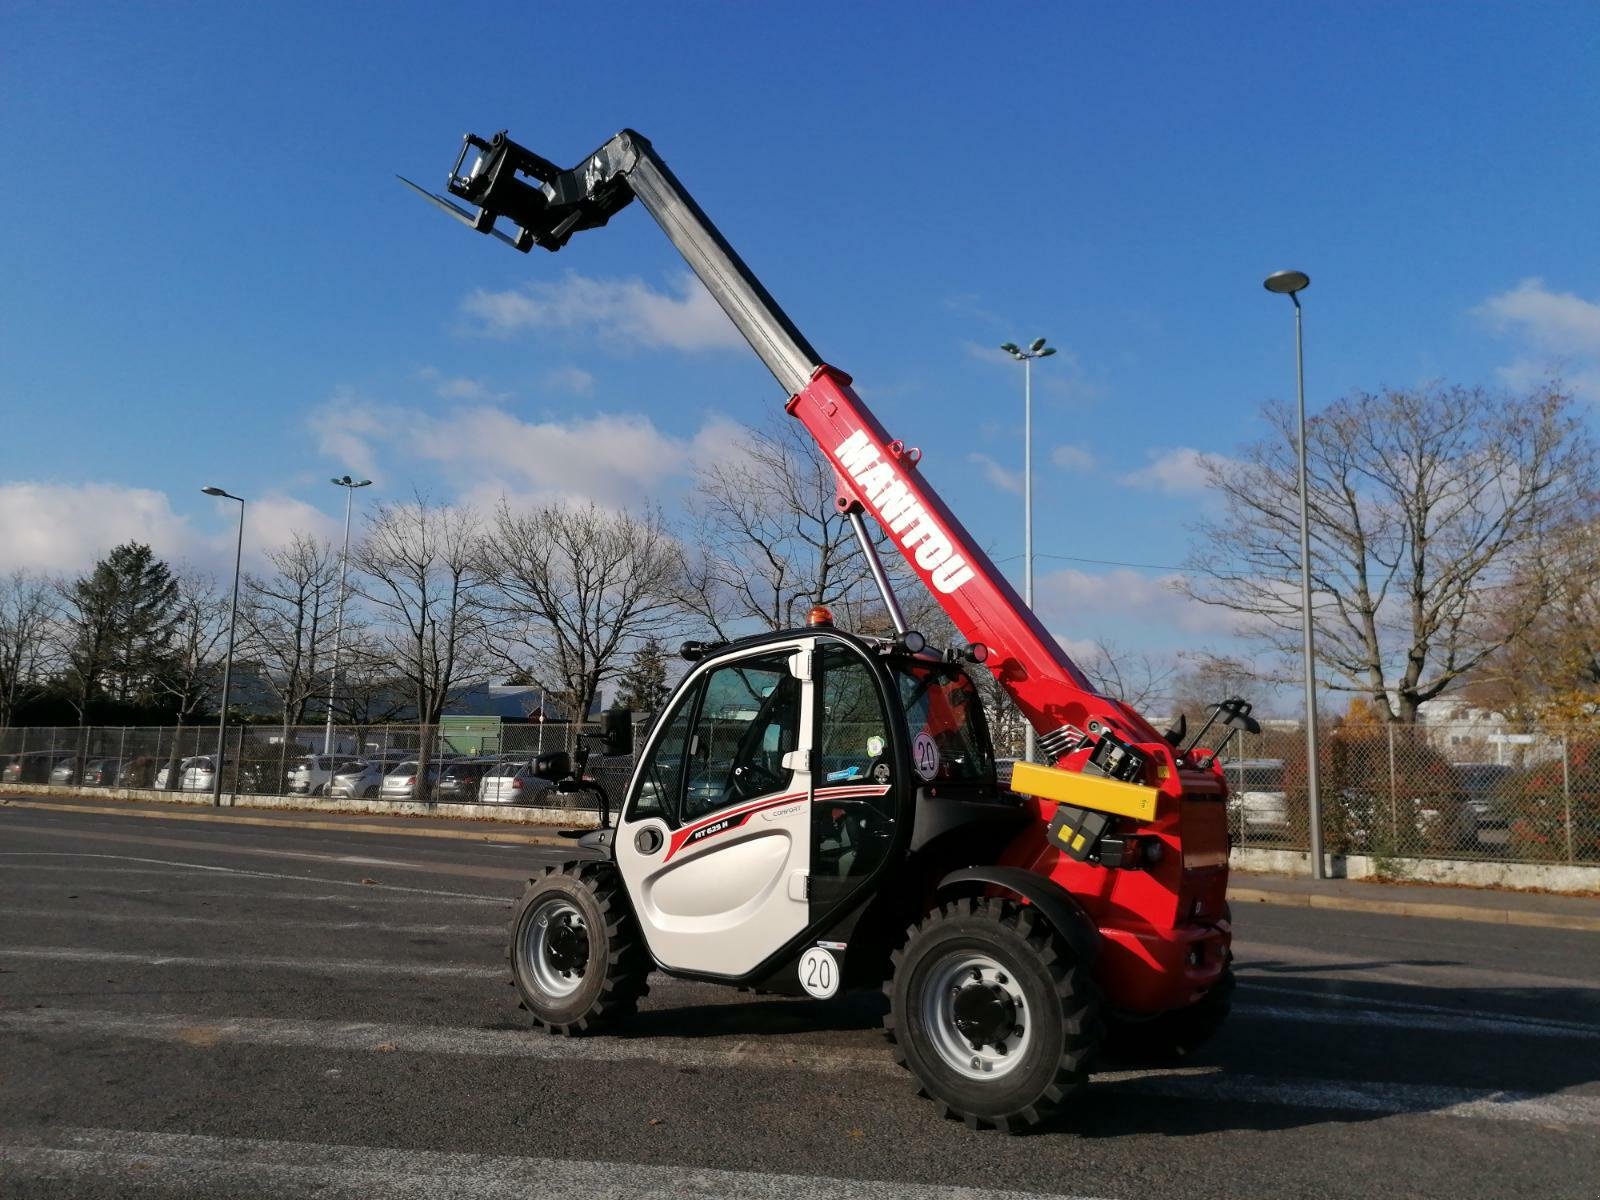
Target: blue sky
(212,276)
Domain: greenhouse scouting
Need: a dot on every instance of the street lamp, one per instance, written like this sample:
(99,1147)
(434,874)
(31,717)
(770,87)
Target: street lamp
(227,669)
(350,486)
(1291,284)
(1036,349)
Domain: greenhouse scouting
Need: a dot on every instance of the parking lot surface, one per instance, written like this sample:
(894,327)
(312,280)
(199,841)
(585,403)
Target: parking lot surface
(193,1009)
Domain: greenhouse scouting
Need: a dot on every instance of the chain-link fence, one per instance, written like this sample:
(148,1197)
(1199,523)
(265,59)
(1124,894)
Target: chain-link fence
(1484,791)
(1515,794)
(376,763)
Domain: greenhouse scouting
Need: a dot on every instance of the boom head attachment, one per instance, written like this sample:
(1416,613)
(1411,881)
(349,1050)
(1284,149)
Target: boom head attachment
(546,204)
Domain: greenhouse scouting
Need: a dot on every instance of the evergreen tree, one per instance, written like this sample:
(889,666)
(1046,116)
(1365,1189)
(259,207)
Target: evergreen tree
(644,684)
(120,621)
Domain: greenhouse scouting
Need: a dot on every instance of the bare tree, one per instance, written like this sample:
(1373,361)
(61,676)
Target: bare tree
(421,573)
(577,586)
(1137,678)
(1422,503)
(371,691)
(288,620)
(191,671)
(769,540)
(28,606)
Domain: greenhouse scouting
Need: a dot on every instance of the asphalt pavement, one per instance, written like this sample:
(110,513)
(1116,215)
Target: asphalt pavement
(216,1009)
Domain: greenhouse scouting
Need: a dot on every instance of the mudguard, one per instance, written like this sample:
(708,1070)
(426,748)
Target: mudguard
(1057,905)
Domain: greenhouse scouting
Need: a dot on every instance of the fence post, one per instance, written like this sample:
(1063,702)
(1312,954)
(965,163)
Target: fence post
(1394,820)
(122,754)
(1566,791)
(238,764)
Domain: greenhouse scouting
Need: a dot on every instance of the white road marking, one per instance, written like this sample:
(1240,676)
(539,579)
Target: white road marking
(1378,1004)
(370,862)
(1206,1084)
(212,1164)
(429,1039)
(79,913)
(325,966)
(242,873)
(1455,1023)
(1356,968)
(368,895)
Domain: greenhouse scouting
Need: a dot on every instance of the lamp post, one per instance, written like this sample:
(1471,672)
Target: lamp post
(350,486)
(227,668)
(1291,284)
(1036,349)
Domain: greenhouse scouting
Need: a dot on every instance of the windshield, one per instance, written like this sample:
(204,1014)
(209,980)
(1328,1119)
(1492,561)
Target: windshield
(944,716)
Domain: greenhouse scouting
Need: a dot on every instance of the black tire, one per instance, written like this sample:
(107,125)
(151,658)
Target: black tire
(1172,1037)
(1036,977)
(576,955)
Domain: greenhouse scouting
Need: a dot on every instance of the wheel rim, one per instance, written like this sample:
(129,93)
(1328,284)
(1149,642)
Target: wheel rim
(975,1015)
(555,946)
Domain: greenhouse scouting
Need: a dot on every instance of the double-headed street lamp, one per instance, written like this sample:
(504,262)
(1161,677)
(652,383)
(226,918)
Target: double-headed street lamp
(1291,284)
(1036,349)
(350,486)
(227,669)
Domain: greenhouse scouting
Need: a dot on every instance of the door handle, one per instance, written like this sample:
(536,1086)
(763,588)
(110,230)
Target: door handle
(648,840)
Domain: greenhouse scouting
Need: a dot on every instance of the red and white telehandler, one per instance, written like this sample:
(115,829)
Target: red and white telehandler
(815,809)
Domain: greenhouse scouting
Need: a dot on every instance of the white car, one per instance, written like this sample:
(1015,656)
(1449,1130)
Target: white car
(513,782)
(1257,797)
(401,783)
(194,775)
(313,773)
(359,779)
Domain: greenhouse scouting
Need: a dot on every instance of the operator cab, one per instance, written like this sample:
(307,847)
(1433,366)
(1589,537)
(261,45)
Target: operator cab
(788,772)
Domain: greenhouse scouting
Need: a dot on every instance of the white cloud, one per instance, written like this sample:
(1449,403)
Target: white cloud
(483,450)
(568,379)
(622,314)
(66,527)
(347,429)
(1560,330)
(1559,322)
(1068,596)
(1180,471)
(1001,477)
(1073,458)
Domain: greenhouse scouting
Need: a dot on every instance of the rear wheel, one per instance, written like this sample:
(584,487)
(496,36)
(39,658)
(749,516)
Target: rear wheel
(577,958)
(994,1013)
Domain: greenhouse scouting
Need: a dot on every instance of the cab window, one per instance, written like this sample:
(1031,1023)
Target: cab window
(749,719)
(944,717)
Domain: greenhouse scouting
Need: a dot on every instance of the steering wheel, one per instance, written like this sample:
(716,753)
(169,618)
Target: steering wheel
(754,779)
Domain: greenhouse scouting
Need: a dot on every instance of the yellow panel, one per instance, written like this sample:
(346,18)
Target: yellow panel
(1085,791)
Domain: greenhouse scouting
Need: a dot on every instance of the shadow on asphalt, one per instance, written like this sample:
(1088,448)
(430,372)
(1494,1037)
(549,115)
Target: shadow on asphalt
(1428,1040)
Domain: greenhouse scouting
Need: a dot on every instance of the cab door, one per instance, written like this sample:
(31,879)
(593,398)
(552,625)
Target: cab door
(715,841)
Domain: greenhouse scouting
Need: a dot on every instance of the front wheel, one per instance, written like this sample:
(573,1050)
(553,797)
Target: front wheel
(577,958)
(994,1013)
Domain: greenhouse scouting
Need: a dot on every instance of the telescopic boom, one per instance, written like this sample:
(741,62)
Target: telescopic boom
(877,473)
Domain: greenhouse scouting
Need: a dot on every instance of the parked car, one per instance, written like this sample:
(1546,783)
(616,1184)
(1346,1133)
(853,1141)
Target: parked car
(358,779)
(313,773)
(1484,821)
(33,766)
(401,783)
(65,772)
(523,780)
(102,772)
(194,774)
(1257,800)
(460,780)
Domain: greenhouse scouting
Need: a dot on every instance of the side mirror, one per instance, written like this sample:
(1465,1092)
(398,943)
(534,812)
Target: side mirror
(556,764)
(619,731)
